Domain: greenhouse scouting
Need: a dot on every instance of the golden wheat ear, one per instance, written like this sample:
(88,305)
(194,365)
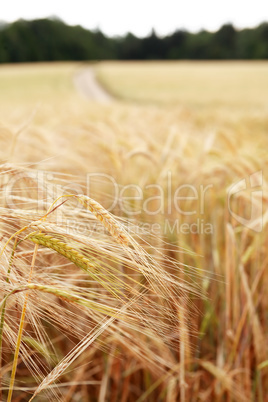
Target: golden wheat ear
(114,228)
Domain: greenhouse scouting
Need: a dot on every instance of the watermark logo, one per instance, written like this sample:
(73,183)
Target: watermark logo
(180,207)
(250,189)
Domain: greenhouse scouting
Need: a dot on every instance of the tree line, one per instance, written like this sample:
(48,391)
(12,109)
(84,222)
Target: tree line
(53,40)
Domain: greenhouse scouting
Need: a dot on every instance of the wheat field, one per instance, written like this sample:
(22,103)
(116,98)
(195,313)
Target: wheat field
(134,233)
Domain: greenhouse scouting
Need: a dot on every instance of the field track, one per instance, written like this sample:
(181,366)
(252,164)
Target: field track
(87,85)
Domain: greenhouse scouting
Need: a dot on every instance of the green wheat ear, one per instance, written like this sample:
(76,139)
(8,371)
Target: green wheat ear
(64,249)
(88,265)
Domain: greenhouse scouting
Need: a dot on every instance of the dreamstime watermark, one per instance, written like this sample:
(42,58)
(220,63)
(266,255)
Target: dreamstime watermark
(184,208)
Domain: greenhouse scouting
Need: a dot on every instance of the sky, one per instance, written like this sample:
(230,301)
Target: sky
(116,17)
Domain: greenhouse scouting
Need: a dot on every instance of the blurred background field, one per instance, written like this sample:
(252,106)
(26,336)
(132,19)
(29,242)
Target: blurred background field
(206,124)
(35,83)
(207,83)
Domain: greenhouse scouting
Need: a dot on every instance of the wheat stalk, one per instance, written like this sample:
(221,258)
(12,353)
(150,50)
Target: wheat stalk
(62,248)
(113,227)
(81,261)
(69,359)
(66,295)
(19,337)
(4,307)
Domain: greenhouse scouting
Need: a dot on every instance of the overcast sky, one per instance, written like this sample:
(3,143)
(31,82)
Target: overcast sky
(116,17)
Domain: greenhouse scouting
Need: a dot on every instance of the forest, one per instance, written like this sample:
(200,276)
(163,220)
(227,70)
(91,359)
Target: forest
(52,40)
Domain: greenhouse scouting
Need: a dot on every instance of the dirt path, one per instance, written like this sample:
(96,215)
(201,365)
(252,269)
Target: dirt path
(87,85)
